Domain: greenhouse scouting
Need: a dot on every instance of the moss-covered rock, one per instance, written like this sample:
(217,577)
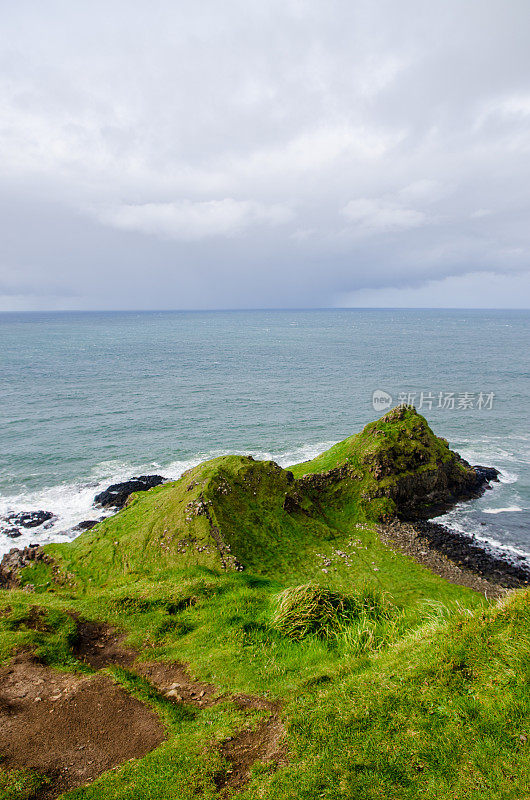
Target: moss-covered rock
(396,467)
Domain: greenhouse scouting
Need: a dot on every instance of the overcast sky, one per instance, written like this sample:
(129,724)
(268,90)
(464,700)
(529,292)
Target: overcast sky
(264,153)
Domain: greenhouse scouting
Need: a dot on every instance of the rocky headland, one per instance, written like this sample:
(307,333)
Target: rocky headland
(254,599)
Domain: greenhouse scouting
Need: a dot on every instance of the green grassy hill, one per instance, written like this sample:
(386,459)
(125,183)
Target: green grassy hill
(237,513)
(393,683)
(396,467)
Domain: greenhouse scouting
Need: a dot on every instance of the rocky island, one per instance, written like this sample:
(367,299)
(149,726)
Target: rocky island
(264,632)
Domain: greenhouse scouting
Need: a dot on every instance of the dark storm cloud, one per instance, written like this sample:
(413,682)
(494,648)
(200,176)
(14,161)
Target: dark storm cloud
(290,153)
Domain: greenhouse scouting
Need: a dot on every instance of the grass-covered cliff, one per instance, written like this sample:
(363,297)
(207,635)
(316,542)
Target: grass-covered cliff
(331,665)
(395,466)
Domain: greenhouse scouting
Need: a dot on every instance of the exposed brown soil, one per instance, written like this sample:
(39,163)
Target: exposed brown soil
(408,539)
(174,682)
(73,728)
(68,727)
(99,645)
(261,743)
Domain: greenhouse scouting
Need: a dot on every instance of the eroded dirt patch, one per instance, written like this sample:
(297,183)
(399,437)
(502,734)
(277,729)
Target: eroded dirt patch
(262,743)
(174,682)
(99,645)
(68,727)
(74,728)
(36,620)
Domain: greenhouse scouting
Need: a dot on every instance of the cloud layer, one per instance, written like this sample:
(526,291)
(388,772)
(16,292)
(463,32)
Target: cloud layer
(251,154)
(189,221)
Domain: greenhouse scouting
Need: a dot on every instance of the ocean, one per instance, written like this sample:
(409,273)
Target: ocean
(91,398)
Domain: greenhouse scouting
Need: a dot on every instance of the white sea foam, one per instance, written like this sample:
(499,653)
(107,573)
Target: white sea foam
(500,510)
(464,521)
(508,477)
(496,451)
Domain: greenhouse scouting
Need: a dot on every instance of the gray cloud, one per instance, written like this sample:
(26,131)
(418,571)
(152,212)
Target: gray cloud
(286,153)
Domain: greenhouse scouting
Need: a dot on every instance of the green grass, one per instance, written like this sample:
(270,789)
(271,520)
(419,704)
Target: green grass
(403,433)
(20,784)
(443,714)
(395,684)
(436,709)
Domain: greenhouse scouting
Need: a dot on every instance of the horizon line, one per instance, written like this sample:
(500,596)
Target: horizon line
(257,308)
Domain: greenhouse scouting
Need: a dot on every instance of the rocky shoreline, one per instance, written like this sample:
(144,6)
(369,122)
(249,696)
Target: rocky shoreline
(456,557)
(113,498)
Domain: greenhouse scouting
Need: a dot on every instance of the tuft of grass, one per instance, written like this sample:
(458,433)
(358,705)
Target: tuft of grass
(310,610)
(48,632)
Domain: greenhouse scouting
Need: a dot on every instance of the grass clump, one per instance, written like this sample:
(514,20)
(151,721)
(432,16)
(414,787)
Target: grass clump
(47,632)
(21,784)
(310,610)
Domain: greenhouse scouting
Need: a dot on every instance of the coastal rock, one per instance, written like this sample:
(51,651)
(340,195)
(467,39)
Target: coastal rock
(16,560)
(472,554)
(116,495)
(457,557)
(425,494)
(30,519)
(395,468)
(487,474)
(418,471)
(85,525)
(13,533)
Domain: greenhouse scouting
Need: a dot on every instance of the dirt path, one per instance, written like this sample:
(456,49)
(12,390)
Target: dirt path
(99,645)
(262,743)
(74,728)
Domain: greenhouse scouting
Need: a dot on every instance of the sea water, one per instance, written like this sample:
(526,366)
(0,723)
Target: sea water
(88,399)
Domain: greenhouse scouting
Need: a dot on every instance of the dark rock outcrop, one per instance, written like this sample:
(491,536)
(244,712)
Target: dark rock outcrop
(85,525)
(417,470)
(487,473)
(29,519)
(116,495)
(16,560)
(430,493)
